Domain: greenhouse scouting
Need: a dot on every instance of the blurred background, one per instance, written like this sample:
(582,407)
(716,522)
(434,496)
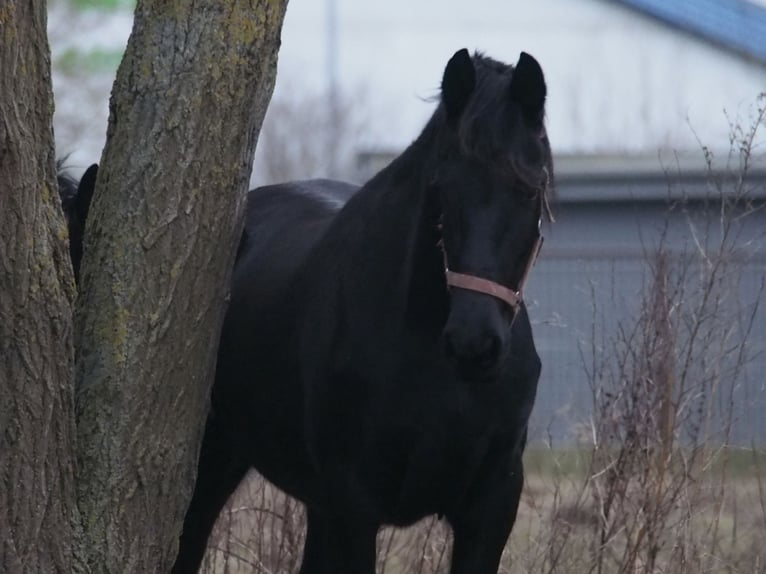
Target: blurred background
(653,113)
(625,77)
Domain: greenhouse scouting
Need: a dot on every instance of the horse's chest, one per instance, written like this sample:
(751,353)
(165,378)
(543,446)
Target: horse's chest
(426,460)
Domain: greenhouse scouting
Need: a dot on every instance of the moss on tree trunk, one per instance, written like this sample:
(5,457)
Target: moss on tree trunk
(37,503)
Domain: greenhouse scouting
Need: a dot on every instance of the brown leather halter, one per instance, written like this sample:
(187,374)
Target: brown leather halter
(488,287)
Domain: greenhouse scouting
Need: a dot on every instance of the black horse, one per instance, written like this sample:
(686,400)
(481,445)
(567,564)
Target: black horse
(75,201)
(376,360)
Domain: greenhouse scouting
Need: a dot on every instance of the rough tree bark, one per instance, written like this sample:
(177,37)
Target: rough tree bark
(37,502)
(186,110)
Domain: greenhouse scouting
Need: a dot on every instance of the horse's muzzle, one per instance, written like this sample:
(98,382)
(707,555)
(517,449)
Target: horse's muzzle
(475,338)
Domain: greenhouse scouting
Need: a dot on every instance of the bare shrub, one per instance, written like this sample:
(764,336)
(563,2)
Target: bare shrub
(420,549)
(261,529)
(659,495)
(305,136)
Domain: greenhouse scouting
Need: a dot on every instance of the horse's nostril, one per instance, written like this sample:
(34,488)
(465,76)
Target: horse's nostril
(449,346)
(489,350)
(478,352)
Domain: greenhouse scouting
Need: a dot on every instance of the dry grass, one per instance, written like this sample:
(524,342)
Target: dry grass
(716,525)
(713,524)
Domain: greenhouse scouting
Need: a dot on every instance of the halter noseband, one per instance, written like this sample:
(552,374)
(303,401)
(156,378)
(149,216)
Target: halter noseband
(489,287)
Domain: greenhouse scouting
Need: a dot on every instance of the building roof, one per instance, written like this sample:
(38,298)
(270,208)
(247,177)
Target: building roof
(737,25)
(588,179)
(620,178)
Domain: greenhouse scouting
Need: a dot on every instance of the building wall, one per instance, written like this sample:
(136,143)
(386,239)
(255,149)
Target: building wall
(588,285)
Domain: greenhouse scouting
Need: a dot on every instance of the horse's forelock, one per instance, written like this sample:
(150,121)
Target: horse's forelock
(490,131)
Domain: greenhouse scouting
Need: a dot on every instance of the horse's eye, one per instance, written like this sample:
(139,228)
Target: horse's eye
(530,193)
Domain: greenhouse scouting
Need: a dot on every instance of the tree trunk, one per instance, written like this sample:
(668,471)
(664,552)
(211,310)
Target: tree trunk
(37,492)
(186,110)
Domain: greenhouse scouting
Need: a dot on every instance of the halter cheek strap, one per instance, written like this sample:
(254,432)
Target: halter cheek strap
(488,287)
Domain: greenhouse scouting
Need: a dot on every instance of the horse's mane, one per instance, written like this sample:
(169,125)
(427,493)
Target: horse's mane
(67,186)
(485,125)
(484,128)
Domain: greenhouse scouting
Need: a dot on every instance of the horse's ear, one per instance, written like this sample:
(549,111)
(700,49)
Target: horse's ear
(458,82)
(85,191)
(528,90)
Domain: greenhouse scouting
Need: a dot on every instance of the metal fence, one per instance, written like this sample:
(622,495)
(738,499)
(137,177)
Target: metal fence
(595,269)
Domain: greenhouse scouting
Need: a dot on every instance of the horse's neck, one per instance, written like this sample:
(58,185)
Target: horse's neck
(374,282)
(427,298)
(395,274)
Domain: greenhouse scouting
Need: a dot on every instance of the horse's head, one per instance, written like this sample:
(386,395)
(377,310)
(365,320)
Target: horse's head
(75,202)
(492,170)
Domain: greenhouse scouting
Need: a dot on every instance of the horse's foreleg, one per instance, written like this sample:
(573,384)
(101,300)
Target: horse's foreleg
(219,472)
(481,528)
(338,545)
(314,556)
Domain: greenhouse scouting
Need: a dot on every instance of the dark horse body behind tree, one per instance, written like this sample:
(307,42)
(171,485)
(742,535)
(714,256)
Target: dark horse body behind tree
(376,361)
